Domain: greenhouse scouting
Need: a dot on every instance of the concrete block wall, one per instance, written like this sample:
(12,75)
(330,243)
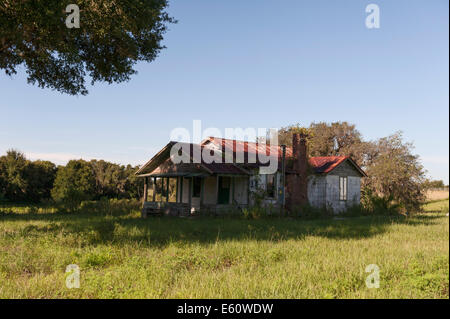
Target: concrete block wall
(317,191)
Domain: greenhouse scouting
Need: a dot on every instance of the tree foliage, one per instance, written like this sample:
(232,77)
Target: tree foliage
(24,180)
(74,182)
(113,36)
(12,170)
(332,139)
(395,173)
(81,180)
(430,184)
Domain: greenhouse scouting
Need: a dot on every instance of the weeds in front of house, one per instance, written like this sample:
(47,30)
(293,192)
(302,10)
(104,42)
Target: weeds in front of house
(121,255)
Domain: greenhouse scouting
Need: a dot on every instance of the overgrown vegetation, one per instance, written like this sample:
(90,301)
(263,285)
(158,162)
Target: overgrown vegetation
(121,255)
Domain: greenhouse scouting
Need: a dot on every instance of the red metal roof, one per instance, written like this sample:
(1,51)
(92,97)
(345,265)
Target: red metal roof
(325,164)
(320,165)
(247,147)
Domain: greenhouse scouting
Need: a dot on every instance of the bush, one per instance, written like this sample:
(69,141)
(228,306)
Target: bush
(110,207)
(380,205)
(309,212)
(354,211)
(255,212)
(260,208)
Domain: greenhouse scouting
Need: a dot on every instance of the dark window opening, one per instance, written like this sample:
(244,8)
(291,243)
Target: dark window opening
(197,187)
(270,185)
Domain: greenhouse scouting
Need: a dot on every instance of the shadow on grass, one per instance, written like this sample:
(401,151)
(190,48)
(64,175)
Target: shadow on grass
(160,231)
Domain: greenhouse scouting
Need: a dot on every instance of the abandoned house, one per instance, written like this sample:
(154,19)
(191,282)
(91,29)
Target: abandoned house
(189,187)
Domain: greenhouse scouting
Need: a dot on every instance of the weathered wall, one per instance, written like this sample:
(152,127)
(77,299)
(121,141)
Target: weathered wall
(317,185)
(258,182)
(241,190)
(332,192)
(210,191)
(345,169)
(186,190)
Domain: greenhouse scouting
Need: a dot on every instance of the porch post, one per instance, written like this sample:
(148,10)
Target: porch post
(202,188)
(154,188)
(167,189)
(232,186)
(145,188)
(181,189)
(177,189)
(217,189)
(248,191)
(190,194)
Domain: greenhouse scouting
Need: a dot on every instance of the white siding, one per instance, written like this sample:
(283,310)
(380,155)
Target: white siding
(241,190)
(210,191)
(186,190)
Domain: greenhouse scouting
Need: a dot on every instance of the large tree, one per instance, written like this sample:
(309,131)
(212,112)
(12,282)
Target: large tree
(395,173)
(74,182)
(24,180)
(40,176)
(113,36)
(12,170)
(114,180)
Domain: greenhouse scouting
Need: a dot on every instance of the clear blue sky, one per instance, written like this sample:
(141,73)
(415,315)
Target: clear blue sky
(255,64)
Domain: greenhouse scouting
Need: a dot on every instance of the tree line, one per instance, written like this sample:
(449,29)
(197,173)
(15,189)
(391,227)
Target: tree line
(23,180)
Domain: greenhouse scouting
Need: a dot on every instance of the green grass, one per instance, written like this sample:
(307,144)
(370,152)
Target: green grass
(123,256)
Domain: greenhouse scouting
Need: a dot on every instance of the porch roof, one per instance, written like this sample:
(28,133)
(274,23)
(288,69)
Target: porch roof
(205,168)
(175,174)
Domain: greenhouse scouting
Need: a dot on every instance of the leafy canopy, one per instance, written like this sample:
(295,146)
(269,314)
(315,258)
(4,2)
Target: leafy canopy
(25,180)
(113,36)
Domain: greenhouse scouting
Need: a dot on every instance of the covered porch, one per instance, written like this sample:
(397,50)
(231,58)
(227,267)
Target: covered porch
(185,194)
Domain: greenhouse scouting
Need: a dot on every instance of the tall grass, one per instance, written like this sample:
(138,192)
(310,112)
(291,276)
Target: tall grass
(123,256)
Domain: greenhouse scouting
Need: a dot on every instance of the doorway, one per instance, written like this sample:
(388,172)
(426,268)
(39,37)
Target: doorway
(223,193)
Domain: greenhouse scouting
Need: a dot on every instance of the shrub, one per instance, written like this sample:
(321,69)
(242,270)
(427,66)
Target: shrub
(110,207)
(308,211)
(354,211)
(380,205)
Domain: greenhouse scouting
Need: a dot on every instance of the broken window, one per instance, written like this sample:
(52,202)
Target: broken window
(342,188)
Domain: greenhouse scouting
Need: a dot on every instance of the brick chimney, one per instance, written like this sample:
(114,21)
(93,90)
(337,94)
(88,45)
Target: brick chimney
(297,181)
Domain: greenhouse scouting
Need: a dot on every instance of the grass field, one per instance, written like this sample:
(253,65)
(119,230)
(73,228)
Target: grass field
(123,256)
(437,194)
